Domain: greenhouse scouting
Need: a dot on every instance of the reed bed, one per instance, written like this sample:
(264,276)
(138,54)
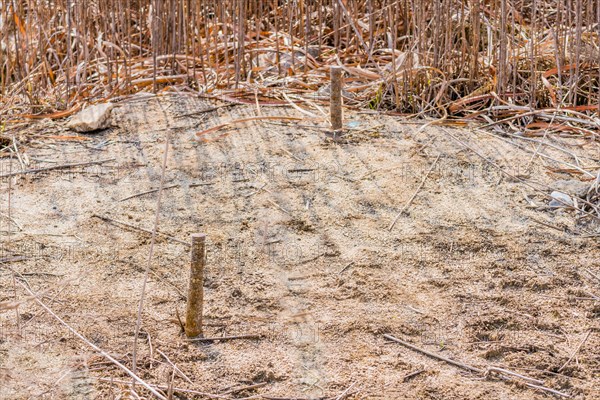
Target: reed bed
(533,64)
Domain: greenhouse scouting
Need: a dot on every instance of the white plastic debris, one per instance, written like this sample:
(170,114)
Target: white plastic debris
(560,199)
(92,118)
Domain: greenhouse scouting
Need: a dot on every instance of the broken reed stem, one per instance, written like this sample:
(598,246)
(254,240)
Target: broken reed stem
(433,355)
(344,394)
(575,351)
(335,106)
(487,372)
(195,298)
(175,367)
(248,387)
(225,338)
(191,185)
(54,167)
(139,229)
(138,323)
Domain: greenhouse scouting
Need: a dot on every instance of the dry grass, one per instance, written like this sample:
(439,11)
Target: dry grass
(446,58)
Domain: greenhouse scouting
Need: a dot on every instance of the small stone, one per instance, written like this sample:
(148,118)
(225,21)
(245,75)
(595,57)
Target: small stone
(92,118)
(572,186)
(560,199)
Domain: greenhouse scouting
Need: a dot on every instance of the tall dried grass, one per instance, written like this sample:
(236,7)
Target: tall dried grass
(467,58)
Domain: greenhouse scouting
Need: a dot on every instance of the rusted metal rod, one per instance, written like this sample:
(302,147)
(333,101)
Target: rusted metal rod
(335,106)
(195,298)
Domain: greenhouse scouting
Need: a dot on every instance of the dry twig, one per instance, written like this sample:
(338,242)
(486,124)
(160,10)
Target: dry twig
(224,338)
(138,323)
(137,228)
(55,167)
(503,373)
(93,346)
(414,194)
(576,351)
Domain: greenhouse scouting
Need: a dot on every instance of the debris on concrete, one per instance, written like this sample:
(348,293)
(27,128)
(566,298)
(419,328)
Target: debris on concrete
(92,118)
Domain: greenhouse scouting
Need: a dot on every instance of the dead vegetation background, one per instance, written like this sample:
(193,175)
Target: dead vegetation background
(448,58)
